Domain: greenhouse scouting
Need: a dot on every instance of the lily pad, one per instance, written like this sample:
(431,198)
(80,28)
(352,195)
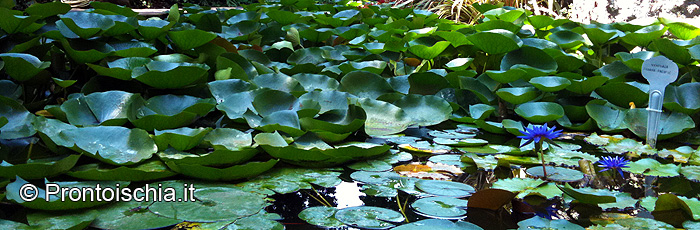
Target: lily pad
(384,118)
(101,108)
(540,112)
(518,95)
(588,196)
(130,215)
(369,217)
(556,173)
(64,220)
(365,84)
(445,188)
(670,124)
(497,41)
(168,75)
(181,139)
(168,111)
(543,223)
(23,67)
(528,186)
(110,144)
(550,83)
(425,110)
(651,167)
(149,170)
(438,224)
(38,169)
(62,201)
(231,173)
(441,207)
(321,216)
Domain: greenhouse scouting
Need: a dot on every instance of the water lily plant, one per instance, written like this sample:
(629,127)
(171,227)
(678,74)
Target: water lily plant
(540,134)
(616,163)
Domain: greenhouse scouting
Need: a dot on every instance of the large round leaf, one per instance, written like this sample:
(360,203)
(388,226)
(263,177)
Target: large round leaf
(684,98)
(427,83)
(121,68)
(22,66)
(147,171)
(533,60)
(425,50)
(635,60)
(321,216)
(191,38)
(168,111)
(168,75)
(445,188)
(540,112)
(181,139)
(19,120)
(384,118)
(212,203)
(556,173)
(496,41)
(112,144)
(518,95)
(622,93)
(425,110)
(369,217)
(130,215)
(644,36)
(550,83)
(235,172)
(439,224)
(670,124)
(101,108)
(62,201)
(441,207)
(86,24)
(365,84)
(38,169)
(566,39)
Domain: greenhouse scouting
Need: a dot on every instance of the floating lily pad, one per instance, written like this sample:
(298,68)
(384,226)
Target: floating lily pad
(38,169)
(168,111)
(683,98)
(528,186)
(169,75)
(181,139)
(518,95)
(425,110)
(496,41)
(111,144)
(588,196)
(556,173)
(101,108)
(384,118)
(550,83)
(423,147)
(438,224)
(461,142)
(651,167)
(235,172)
(670,124)
(191,38)
(543,223)
(212,203)
(64,220)
(130,215)
(149,170)
(85,24)
(540,112)
(287,180)
(321,216)
(441,207)
(369,217)
(21,66)
(445,188)
(65,201)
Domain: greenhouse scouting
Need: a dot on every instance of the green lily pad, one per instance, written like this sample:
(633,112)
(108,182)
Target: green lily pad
(384,118)
(438,224)
(21,66)
(670,124)
(130,215)
(459,64)
(147,171)
(38,169)
(168,111)
(181,139)
(425,148)
(189,39)
(168,75)
(506,76)
(550,83)
(64,220)
(321,216)
(112,144)
(101,108)
(543,223)
(445,188)
(622,93)
(19,120)
(44,10)
(62,201)
(427,83)
(440,207)
(121,68)
(692,172)
(586,85)
(471,142)
(369,217)
(651,167)
(425,50)
(608,119)
(496,41)
(528,186)
(600,34)
(635,60)
(288,180)
(683,98)
(371,165)
(85,24)
(133,49)
(518,95)
(425,110)
(236,172)
(556,173)
(644,36)
(588,196)
(566,39)
(365,84)
(212,203)
(540,112)
(533,60)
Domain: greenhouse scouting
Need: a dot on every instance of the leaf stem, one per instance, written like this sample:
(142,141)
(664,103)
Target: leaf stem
(402,208)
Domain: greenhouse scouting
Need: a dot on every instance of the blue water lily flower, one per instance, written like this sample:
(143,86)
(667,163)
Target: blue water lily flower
(539,133)
(616,162)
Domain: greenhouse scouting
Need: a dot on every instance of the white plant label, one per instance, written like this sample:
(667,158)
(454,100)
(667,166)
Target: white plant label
(659,71)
